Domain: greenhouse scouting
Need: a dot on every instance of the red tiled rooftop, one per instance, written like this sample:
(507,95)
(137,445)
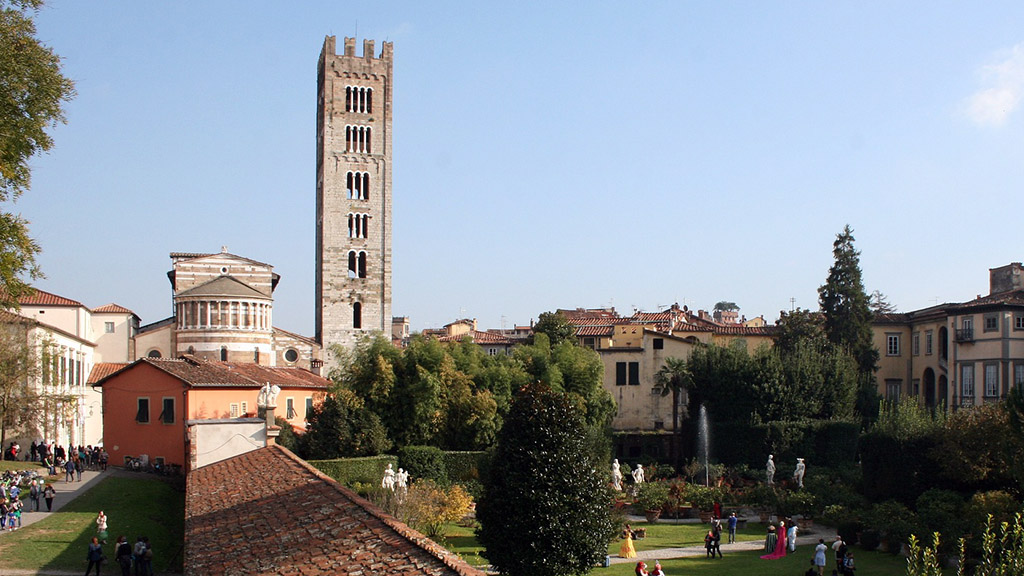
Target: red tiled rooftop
(104,369)
(113,308)
(210,374)
(43,298)
(268,512)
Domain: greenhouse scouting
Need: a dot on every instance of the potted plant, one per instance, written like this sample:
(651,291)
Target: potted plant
(764,499)
(651,497)
(703,499)
(803,503)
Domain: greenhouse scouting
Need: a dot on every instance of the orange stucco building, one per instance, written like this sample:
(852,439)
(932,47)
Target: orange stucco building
(149,404)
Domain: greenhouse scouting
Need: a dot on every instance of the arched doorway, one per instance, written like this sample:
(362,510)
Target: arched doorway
(929,388)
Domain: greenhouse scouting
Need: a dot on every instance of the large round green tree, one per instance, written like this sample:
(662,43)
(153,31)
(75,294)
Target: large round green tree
(545,508)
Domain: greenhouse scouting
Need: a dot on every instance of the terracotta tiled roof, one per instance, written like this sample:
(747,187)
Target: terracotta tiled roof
(1009,298)
(652,317)
(43,298)
(104,369)
(113,309)
(210,374)
(8,317)
(595,331)
(477,337)
(578,313)
(268,512)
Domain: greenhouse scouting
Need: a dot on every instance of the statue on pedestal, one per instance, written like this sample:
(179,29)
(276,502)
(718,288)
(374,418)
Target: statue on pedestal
(616,475)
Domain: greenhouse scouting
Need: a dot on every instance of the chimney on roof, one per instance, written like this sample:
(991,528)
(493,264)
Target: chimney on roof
(1005,278)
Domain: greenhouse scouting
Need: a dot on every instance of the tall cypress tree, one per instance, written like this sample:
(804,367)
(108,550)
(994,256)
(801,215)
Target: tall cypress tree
(846,308)
(545,510)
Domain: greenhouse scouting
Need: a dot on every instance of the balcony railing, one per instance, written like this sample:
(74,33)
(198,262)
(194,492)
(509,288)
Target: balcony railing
(964,335)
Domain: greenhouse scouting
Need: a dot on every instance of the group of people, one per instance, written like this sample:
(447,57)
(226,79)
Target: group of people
(11,500)
(139,556)
(778,542)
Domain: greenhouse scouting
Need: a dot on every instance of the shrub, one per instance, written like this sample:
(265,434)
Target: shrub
(940,511)
(428,506)
(424,462)
(1000,505)
(348,471)
(894,521)
(652,496)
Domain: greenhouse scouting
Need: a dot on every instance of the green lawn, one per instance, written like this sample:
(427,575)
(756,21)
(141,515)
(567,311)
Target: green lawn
(134,506)
(750,564)
(461,541)
(662,535)
(19,465)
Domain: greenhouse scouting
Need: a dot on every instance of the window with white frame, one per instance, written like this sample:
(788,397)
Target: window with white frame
(892,344)
(915,344)
(358,225)
(359,99)
(967,380)
(108,327)
(357,184)
(991,380)
(233,410)
(928,340)
(358,139)
(245,408)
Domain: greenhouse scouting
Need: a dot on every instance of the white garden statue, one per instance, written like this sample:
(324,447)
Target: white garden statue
(770,470)
(638,474)
(388,483)
(798,474)
(616,475)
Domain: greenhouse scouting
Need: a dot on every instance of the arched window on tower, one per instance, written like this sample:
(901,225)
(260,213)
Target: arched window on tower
(362,264)
(369,100)
(352,264)
(357,315)
(223,353)
(366,186)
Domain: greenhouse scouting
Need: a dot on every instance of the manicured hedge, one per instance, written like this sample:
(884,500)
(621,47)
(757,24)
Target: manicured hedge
(348,471)
(424,462)
(463,466)
(823,443)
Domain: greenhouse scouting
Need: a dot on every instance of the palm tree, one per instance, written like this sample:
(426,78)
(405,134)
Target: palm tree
(674,376)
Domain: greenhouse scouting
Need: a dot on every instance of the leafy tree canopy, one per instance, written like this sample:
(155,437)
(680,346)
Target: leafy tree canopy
(544,510)
(32,94)
(845,306)
(726,306)
(556,327)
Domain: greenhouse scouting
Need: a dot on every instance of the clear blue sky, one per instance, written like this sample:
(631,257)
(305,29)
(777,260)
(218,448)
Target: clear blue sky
(547,155)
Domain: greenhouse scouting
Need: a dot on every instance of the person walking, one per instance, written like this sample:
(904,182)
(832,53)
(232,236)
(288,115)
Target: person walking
(94,556)
(819,556)
(69,470)
(33,495)
(123,555)
(48,493)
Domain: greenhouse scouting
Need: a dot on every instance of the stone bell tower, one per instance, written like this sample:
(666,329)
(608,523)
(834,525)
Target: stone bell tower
(353,193)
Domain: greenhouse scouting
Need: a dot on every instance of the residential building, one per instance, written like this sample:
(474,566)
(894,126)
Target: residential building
(956,354)
(148,404)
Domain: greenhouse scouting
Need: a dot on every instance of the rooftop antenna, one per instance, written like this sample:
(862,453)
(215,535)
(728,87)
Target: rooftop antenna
(792,304)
